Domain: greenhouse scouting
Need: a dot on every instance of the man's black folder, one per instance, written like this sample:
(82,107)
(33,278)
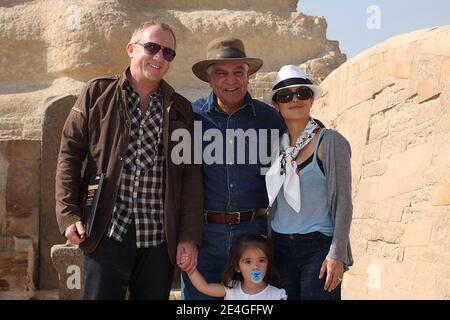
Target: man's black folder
(92,193)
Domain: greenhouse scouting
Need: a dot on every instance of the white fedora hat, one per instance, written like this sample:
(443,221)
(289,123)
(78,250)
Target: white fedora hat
(291,76)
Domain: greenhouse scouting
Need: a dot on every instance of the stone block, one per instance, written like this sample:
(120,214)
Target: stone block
(441,195)
(22,188)
(440,237)
(356,135)
(398,205)
(10,128)
(412,254)
(431,255)
(348,294)
(411,89)
(390,233)
(21,150)
(355,286)
(401,119)
(428,90)
(433,46)
(426,68)
(19,201)
(445,72)
(360,266)
(380,104)
(406,175)
(17,266)
(400,276)
(369,191)
(68,261)
(396,98)
(377,58)
(397,54)
(417,234)
(444,258)
(378,211)
(383,210)
(386,251)
(379,130)
(54,117)
(420,134)
(401,176)
(431,177)
(443,289)
(401,69)
(359,246)
(371,152)
(393,144)
(443,124)
(424,276)
(360,93)
(359,207)
(377,118)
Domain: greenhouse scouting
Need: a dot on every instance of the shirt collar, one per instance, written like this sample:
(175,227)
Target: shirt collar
(125,84)
(211,103)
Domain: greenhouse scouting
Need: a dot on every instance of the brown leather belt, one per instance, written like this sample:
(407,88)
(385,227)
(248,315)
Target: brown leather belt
(233,217)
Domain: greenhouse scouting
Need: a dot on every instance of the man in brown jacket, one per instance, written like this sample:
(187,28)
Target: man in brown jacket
(150,209)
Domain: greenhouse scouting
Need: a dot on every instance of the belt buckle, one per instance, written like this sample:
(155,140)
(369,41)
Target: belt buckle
(238,218)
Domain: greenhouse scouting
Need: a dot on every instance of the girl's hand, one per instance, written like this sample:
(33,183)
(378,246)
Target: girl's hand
(334,270)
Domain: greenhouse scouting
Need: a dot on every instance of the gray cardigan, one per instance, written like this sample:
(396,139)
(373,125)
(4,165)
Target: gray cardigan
(336,153)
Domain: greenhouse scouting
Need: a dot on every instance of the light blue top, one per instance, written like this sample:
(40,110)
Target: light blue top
(315,213)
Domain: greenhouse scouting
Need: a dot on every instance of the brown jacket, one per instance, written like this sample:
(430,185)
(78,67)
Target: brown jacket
(98,127)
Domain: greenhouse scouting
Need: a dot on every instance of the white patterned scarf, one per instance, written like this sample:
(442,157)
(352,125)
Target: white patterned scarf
(284,171)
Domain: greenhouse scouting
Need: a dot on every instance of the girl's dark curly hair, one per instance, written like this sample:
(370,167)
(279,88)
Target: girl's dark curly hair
(230,277)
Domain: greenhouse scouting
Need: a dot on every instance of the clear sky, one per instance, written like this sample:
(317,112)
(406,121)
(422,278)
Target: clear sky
(356,29)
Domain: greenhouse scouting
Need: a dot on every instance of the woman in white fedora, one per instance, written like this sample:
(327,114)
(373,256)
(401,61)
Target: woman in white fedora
(309,189)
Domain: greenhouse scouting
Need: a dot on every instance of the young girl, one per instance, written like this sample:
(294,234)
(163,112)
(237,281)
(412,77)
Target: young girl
(246,275)
(309,189)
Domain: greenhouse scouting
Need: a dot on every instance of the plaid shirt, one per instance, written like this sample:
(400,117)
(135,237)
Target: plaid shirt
(141,190)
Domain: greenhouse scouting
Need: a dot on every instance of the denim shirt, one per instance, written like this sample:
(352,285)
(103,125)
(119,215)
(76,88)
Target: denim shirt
(233,183)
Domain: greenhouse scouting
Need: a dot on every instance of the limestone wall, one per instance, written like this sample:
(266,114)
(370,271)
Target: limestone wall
(392,102)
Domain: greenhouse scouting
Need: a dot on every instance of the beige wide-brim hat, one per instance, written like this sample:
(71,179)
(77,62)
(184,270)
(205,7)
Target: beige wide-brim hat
(225,49)
(291,76)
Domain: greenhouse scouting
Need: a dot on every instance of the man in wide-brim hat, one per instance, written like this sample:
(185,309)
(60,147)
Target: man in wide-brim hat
(235,198)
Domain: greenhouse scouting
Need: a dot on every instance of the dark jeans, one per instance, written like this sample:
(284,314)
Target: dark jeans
(116,266)
(216,244)
(298,258)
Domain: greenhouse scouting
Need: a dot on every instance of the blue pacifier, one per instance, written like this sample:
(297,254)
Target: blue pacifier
(256,276)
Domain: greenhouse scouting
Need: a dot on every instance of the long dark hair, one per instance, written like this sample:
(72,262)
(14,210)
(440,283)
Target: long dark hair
(230,277)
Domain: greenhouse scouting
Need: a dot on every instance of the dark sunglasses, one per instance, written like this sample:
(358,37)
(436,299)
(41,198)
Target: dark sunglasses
(153,48)
(285,96)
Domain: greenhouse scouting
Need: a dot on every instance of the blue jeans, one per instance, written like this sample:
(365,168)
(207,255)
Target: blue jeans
(298,259)
(216,244)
